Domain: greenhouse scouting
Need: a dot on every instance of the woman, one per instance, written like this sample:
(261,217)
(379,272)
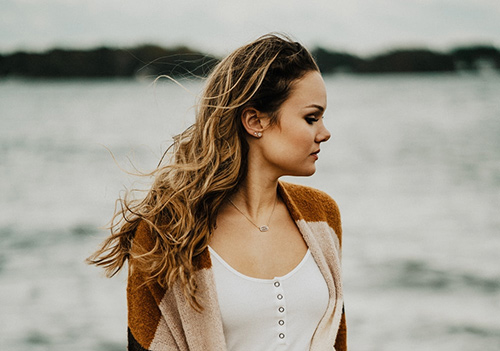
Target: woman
(223,255)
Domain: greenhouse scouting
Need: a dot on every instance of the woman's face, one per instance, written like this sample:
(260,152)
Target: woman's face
(291,147)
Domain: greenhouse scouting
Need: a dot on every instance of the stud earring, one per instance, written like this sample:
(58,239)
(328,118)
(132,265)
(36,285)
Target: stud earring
(258,135)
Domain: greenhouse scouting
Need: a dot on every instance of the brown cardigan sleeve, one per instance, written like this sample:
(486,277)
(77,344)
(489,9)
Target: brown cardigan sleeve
(144,315)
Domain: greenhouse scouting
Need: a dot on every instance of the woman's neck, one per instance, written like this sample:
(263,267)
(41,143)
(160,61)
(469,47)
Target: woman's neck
(256,196)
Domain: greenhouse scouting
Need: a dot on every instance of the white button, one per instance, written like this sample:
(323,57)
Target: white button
(281,322)
(281,309)
(277,284)
(282,336)
(279,296)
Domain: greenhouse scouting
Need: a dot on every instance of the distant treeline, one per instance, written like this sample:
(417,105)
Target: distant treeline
(146,60)
(471,58)
(151,60)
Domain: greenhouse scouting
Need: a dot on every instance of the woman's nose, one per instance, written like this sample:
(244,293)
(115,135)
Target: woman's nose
(323,135)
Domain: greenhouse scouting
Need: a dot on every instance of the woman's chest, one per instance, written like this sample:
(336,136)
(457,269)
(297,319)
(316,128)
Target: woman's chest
(284,310)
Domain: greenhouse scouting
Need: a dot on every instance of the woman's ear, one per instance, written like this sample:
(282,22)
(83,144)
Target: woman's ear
(251,119)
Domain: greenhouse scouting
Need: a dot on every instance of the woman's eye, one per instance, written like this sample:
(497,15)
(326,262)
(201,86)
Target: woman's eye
(311,120)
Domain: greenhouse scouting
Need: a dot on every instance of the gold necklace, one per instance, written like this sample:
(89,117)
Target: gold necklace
(262,228)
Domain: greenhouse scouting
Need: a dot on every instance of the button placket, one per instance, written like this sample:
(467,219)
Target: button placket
(281,310)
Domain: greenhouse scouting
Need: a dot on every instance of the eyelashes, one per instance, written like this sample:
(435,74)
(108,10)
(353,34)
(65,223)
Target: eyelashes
(311,120)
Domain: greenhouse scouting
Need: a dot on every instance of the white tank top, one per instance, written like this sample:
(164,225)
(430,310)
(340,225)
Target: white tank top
(270,314)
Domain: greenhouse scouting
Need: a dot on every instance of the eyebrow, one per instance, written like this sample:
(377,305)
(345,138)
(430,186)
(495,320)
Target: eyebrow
(319,107)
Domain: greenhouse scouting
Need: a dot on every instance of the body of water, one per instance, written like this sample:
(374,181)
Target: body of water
(413,162)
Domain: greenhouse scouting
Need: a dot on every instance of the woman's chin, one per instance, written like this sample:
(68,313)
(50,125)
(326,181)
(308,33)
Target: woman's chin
(303,172)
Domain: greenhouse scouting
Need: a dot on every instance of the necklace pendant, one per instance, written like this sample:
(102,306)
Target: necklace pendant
(263,228)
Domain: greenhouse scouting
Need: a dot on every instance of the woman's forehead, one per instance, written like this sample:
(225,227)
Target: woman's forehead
(309,91)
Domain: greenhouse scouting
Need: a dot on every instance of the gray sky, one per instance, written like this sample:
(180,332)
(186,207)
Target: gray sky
(362,27)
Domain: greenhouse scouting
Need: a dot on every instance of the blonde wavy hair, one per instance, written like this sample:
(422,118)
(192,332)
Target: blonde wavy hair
(207,163)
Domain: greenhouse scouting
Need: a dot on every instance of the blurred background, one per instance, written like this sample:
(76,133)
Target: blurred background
(413,162)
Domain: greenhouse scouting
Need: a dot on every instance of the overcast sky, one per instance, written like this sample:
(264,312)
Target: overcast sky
(362,27)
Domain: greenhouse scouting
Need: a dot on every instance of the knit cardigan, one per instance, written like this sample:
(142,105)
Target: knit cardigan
(160,319)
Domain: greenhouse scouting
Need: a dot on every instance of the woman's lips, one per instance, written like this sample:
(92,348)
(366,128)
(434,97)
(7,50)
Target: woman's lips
(315,154)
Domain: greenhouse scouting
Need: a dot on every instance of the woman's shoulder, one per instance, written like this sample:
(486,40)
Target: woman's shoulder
(309,203)
(143,239)
(307,194)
